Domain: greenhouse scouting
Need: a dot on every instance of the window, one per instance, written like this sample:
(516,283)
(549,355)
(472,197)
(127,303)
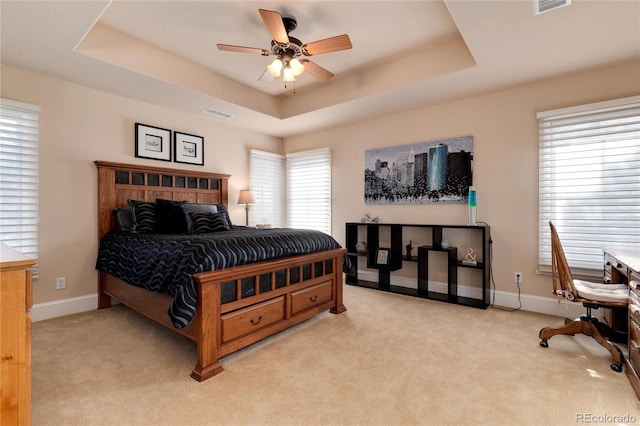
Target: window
(266,178)
(19,176)
(589,182)
(309,190)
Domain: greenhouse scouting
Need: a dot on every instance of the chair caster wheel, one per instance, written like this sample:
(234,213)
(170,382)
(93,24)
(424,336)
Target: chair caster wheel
(545,344)
(616,367)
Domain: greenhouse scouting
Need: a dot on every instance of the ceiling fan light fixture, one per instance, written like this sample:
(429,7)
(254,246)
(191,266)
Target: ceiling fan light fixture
(275,67)
(296,66)
(288,74)
(287,49)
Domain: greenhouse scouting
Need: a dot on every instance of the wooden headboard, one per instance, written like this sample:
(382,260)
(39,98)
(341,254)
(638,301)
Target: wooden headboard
(119,182)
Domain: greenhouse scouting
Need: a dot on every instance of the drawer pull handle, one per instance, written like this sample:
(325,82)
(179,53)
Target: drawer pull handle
(313,298)
(256,322)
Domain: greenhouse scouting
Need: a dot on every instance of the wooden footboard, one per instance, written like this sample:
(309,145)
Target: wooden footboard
(285,292)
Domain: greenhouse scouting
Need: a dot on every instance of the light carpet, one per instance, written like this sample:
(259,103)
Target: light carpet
(388,360)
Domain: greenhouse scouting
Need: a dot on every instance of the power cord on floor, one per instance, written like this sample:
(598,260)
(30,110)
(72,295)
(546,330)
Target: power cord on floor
(493,282)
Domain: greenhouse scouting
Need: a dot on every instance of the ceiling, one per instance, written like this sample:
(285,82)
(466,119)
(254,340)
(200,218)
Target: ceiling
(405,55)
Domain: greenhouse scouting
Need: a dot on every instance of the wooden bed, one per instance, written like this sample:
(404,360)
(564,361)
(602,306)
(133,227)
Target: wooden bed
(312,282)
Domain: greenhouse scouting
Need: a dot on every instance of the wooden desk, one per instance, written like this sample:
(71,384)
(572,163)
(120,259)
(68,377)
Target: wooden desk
(15,337)
(622,267)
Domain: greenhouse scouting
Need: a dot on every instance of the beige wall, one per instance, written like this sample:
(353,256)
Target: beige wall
(504,128)
(79,125)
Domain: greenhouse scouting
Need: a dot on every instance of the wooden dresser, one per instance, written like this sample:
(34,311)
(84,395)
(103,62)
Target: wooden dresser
(632,366)
(621,267)
(15,337)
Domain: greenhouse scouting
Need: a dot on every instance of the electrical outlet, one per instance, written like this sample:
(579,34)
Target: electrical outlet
(61,283)
(517,277)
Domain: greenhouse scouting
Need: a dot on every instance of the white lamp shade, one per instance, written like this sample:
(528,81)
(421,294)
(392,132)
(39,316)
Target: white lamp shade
(296,66)
(246,197)
(288,74)
(275,67)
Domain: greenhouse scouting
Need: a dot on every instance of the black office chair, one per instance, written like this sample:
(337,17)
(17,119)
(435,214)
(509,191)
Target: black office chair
(592,296)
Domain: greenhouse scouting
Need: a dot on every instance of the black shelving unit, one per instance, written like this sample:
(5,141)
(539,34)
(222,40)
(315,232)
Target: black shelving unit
(397,257)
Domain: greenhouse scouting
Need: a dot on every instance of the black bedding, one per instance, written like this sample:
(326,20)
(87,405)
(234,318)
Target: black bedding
(166,262)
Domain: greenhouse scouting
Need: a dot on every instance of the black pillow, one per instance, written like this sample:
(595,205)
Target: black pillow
(144,216)
(124,218)
(169,217)
(223,209)
(189,208)
(209,222)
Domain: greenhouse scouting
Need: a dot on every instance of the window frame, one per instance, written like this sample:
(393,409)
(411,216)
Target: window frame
(586,153)
(264,176)
(309,190)
(19,177)
(293,203)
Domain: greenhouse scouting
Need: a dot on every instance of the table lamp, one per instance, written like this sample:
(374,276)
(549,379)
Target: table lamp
(246,197)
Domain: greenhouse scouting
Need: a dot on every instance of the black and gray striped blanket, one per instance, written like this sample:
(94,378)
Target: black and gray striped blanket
(165,263)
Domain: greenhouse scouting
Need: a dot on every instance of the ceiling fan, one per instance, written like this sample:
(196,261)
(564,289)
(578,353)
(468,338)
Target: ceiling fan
(289,50)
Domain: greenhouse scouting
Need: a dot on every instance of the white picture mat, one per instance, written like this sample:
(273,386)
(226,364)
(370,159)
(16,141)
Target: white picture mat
(189,148)
(153,142)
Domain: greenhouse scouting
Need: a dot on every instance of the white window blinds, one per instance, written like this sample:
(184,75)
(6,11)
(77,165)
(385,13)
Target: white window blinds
(589,182)
(309,190)
(266,178)
(19,176)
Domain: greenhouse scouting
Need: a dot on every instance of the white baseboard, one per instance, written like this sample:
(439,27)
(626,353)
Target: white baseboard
(63,307)
(544,305)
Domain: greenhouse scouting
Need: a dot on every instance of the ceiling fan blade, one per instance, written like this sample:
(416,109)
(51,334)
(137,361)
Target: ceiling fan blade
(331,44)
(273,21)
(242,49)
(317,71)
(266,76)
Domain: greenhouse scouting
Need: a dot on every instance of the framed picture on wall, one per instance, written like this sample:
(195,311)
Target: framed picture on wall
(188,148)
(153,142)
(382,256)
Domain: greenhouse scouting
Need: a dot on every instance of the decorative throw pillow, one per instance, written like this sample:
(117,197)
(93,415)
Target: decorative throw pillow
(223,209)
(144,216)
(169,217)
(209,222)
(189,208)
(124,218)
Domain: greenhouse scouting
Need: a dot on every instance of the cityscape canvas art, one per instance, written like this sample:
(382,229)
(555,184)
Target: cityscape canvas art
(426,172)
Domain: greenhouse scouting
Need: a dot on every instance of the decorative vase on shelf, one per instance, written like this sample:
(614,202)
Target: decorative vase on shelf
(361,247)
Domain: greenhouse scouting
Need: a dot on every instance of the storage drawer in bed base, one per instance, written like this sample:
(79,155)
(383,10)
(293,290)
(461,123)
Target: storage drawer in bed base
(252,318)
(310,297)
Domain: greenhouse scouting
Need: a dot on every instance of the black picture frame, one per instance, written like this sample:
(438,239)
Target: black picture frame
(383,256)
(152,142)
(188,149)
